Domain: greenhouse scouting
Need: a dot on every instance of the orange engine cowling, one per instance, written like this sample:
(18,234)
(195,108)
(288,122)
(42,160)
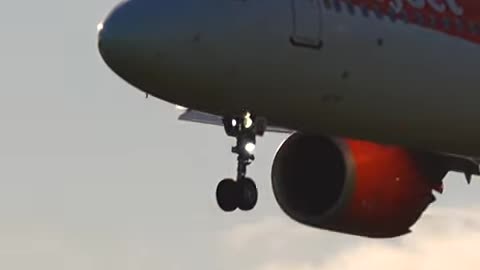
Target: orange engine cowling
(353,186)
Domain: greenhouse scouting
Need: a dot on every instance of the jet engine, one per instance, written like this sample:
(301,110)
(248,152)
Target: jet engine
(354,186)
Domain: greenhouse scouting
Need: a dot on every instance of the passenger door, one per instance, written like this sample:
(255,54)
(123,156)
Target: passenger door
(307,28)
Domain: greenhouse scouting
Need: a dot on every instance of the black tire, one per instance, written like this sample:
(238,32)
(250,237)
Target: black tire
(227,195)
(247,194)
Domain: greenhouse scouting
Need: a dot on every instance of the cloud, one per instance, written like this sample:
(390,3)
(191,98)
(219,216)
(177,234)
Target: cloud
(443,239)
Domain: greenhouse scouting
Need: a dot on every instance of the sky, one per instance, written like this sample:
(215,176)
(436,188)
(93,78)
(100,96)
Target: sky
(95,176)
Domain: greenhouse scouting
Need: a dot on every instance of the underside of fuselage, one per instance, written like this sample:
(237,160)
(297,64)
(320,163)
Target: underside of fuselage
(335,70)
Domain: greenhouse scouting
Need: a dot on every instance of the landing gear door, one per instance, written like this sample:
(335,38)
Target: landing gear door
(307,28)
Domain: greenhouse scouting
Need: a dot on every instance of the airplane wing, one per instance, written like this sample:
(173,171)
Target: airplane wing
(211,119)
(457,163)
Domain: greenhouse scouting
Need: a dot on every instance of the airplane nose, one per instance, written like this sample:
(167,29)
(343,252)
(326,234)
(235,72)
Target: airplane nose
(121,41)
(168,48)
(113,37)
(133,38)
(151,44)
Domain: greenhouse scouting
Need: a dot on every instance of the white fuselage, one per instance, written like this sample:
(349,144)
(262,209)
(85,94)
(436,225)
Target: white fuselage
(369,77)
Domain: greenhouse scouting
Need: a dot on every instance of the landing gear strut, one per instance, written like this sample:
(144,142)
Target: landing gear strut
(242,192)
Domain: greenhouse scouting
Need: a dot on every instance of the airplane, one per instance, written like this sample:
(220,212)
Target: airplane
(379,97)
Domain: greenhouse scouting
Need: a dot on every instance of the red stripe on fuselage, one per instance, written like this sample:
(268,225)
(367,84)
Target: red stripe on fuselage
(459,18)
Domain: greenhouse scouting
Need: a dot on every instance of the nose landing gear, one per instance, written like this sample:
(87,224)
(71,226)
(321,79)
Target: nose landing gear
(241,193)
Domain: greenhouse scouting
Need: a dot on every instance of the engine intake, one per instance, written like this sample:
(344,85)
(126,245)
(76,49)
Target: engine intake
(298,165)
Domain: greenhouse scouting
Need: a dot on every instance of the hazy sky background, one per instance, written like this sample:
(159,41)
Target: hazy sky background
(93,176)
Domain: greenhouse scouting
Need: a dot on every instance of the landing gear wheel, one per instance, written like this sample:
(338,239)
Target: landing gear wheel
(247,194)
(227,195)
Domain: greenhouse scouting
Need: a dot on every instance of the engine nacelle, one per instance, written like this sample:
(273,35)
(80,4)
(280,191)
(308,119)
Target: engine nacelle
(353,186)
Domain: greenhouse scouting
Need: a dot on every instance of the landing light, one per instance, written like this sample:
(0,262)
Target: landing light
(250,147)
(248,122)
